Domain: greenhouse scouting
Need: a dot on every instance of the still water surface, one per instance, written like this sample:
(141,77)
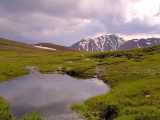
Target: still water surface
(49,94)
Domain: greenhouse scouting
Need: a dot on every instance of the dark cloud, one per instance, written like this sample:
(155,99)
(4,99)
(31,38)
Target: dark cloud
(53,7)
(135,26)
(67,21)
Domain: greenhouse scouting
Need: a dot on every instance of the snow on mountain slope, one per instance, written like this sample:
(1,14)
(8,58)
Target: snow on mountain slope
(140,43)
(99,43)
(109,42)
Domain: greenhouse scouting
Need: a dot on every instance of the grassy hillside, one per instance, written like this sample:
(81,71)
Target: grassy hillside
(16,57)
(135,79)
(133,75)
(54,46)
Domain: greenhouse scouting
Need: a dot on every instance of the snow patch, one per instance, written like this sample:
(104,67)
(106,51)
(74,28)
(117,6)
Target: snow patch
(148,43)
(46,48)
(136,40)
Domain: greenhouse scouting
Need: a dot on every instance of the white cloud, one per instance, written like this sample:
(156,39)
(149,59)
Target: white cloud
(144,10)
(67,21)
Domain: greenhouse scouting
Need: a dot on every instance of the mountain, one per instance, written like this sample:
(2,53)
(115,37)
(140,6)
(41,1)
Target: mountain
(113,42)
(99,43)
(6,44)
(140,43)
(11,45)
(53,47)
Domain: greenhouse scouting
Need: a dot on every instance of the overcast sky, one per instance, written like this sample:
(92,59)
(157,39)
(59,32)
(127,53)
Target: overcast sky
(67,21)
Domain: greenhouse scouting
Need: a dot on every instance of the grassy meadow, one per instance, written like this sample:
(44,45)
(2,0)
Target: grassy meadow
(134,76)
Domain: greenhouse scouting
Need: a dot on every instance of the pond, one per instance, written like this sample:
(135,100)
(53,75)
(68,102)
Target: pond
(49,94)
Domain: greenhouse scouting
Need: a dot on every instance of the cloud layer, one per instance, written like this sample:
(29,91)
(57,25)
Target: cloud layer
(67,21)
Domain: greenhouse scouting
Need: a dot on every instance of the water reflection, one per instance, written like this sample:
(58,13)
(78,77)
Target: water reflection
(49,94)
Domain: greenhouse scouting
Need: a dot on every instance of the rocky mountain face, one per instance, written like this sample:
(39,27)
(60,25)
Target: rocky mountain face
(140,43)
(100,43)
(112,42)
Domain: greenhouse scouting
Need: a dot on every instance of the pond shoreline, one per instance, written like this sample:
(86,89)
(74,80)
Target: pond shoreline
(92,84)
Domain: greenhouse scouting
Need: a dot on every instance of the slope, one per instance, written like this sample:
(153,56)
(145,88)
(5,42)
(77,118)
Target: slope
(133,75)
(54,46)
(135,79)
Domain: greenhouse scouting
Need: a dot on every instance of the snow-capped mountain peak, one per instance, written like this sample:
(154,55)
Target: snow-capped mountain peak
(99,43)
(108,42)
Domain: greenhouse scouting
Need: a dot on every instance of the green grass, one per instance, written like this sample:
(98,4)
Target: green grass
(135,93)
(32,116)
(134,76)
(16,57)
(5,113)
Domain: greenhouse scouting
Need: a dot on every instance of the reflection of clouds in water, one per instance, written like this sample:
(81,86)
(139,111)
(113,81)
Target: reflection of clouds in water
(50,94)
(99,82)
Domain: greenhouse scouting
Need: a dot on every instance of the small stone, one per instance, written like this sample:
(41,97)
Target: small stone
(70,61)
(87,59)
(148,96)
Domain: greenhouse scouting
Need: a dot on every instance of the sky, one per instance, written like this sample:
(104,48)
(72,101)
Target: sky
(67,21)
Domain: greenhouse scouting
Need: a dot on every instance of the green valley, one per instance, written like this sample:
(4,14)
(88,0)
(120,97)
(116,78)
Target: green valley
(134,77)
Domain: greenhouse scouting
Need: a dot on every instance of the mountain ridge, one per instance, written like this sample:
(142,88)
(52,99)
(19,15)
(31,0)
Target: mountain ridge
(140,43)
(101,43)
(112,42)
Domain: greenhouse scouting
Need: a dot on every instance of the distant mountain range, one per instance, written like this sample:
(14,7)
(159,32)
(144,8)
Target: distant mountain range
(112,42)
(99,43)
(140,43)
